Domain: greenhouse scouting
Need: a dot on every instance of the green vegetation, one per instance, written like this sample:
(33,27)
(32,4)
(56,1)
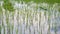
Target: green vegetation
(7,5)
(39,1)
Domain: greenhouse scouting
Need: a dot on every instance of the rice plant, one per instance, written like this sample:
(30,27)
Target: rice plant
(29,18)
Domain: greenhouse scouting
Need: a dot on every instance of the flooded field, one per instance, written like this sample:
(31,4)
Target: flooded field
(30,18)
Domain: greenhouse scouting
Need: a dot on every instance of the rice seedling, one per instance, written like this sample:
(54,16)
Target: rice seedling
(29,18)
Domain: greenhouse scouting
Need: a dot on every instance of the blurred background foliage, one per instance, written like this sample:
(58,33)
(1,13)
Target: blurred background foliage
(8,5)
(38,1)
